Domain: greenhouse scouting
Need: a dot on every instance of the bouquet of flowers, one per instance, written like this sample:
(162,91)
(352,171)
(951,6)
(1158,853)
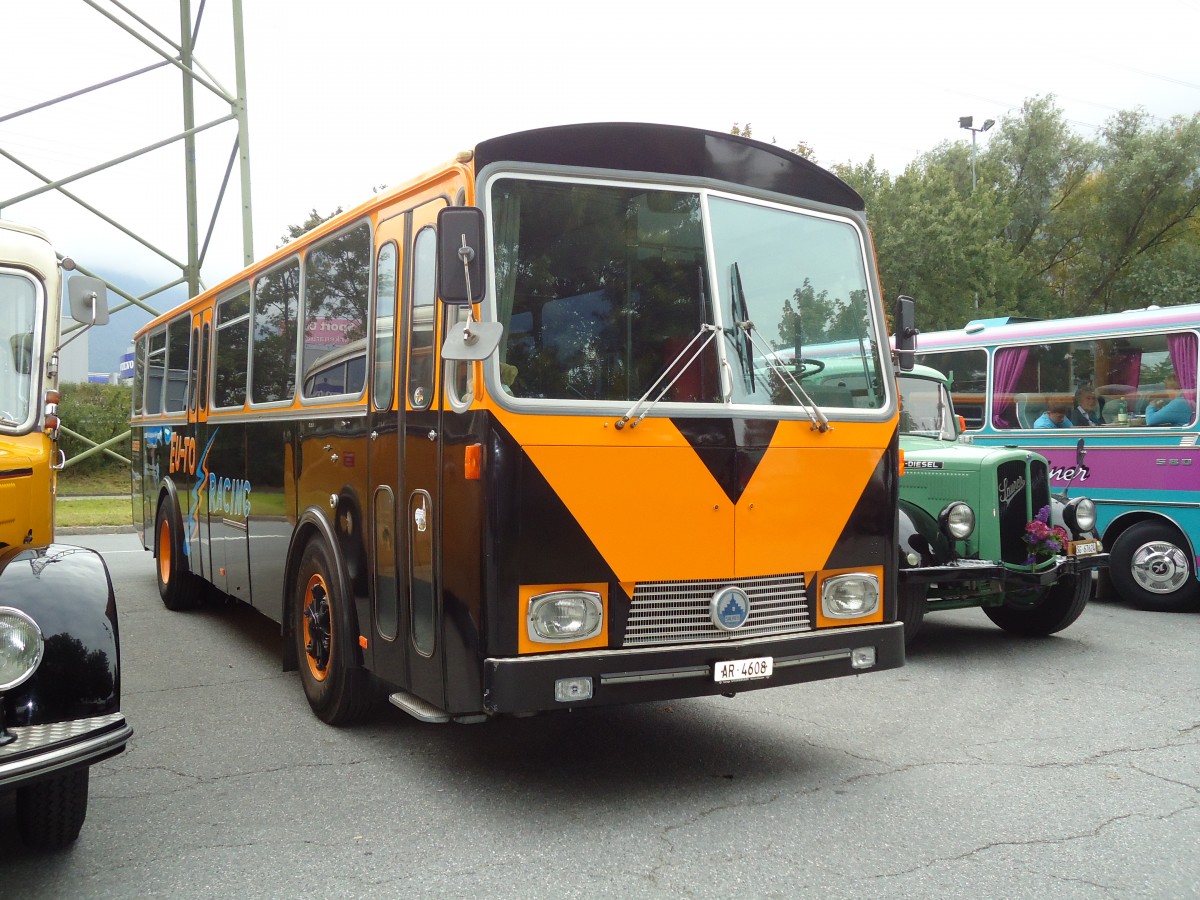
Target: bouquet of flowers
(1044,540)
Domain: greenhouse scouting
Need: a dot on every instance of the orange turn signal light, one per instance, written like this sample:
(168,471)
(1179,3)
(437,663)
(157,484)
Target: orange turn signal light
(473,462)
(901,462)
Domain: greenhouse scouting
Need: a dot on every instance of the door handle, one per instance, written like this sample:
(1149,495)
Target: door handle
(432,435)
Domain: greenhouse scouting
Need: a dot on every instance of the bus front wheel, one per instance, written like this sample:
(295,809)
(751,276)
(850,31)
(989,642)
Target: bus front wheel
(1151,569)
(177,586)
(912,608)
(338,690)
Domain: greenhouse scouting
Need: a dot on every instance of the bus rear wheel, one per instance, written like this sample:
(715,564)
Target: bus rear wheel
(1059,606)
(1150,568)
(339,691)
(177,586)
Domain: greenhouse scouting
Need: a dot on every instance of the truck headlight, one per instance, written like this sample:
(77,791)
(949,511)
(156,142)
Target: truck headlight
(565,616)
(21,647)
(1080,515)
(957,521)
(849,596)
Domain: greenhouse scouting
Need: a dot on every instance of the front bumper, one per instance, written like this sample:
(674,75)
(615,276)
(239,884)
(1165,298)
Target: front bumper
(961,570)
(526,684)
(41,750)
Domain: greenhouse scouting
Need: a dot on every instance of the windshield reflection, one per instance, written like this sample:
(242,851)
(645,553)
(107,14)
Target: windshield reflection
(17,351)
(603,291)
(926,409)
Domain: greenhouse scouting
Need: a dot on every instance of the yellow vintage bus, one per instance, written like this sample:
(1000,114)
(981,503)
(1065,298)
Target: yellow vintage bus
(60,680)
(515,436)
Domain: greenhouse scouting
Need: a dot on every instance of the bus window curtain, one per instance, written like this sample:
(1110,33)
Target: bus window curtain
(1009,364)
(1182,348)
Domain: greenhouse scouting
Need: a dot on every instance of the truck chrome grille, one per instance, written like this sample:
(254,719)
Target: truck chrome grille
(677,612)
(1024,488)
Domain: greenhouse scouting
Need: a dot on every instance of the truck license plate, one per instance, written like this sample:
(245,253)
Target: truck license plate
(743,669)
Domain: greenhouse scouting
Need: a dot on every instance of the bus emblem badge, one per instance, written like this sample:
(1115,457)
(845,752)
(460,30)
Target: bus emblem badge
(729,609)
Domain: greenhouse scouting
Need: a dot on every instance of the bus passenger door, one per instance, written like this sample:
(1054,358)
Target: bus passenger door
(419,503)
(388,630)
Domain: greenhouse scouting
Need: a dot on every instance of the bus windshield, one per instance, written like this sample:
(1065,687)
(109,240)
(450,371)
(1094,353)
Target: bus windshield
(925,409)
(608,292)
(17,311)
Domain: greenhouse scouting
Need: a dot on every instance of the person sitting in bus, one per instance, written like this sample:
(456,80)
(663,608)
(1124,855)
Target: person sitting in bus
(1087,409)
(1175,410)
(1055,416)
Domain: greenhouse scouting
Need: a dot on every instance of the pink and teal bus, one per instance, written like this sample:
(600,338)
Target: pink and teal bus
(1123,383)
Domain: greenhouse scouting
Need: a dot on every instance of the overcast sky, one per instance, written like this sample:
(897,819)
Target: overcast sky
(347,95)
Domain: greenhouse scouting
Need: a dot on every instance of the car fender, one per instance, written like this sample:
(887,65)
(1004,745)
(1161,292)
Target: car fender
(919,533)
(68,592)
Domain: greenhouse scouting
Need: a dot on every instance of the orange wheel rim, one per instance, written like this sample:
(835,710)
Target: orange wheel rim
(318,627)
(164,552)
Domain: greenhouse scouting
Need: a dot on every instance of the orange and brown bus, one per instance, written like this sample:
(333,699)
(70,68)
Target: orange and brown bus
(515,436)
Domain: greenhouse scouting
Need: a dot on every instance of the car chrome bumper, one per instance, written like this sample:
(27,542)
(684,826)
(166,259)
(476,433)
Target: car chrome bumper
(979,570)
(44,749)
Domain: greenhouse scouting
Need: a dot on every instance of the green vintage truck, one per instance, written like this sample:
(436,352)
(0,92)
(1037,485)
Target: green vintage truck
(979,526)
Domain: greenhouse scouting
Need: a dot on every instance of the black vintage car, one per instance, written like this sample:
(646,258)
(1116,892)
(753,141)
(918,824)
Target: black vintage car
(60,685)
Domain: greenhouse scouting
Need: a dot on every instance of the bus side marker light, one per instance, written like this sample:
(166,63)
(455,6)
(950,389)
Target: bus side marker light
(862,657)
(472,461)
(902,462)
(565,616)
(362,641)
(850,596)
(568,690)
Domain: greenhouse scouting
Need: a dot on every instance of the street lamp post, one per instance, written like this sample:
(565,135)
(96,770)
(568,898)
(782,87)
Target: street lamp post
(967,122)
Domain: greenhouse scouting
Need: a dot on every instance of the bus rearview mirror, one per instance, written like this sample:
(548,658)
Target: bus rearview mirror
(906,332)
(461,256)
(89,300)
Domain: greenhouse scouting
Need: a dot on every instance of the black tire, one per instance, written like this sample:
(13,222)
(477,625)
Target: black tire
(177,586)
(1058,606)
(50,812)
(1151,568)
(912,608)
(339,691)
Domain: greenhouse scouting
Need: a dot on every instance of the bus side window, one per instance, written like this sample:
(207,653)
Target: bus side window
(273,357)
(385,316)
(420,353)
(156,372)
(337,275)
(233,343)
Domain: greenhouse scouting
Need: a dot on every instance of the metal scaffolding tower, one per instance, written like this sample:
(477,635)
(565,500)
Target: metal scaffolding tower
(181,55)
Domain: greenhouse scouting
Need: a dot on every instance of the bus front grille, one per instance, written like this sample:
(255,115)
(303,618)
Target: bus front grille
(677,612)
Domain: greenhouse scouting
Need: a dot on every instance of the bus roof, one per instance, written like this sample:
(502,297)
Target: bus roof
(27,247)
(992,331)
(674,150)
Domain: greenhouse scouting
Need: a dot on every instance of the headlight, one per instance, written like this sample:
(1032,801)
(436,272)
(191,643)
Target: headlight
(957,521)
(21,647)
(565,616)
(1080,515)
(849,596)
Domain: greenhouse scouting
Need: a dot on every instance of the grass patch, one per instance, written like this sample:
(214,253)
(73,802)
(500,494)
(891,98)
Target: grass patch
(91,513)
(114,480)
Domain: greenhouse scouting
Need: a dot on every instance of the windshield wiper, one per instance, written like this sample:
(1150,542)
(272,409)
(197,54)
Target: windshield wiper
(779,367)
(754,339)
(711,331)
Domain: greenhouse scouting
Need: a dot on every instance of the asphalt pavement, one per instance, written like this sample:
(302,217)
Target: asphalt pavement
(989,766)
